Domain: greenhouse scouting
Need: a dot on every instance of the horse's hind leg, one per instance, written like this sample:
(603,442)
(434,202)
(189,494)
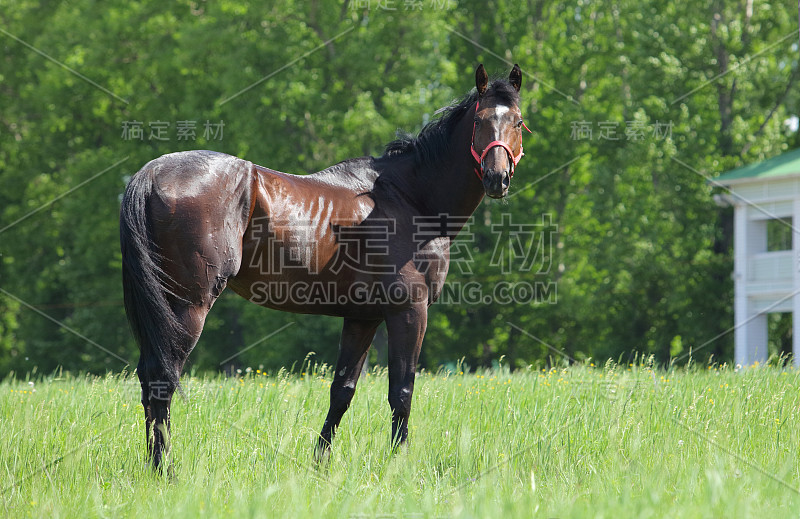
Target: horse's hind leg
(181,226)
(156,400)
(356,338)
(158,386)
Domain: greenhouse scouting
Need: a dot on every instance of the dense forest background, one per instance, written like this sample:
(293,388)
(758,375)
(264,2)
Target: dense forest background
(633,106)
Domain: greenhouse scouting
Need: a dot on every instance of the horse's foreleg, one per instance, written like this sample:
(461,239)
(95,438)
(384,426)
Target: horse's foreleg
(405,328)
(356,338)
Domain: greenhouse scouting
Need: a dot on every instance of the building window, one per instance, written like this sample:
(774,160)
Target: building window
(779,234)
(779,336)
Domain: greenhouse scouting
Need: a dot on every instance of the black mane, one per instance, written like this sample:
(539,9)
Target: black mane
(432,140)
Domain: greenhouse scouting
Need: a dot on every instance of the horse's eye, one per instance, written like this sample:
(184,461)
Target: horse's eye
(477,120)
(519,124)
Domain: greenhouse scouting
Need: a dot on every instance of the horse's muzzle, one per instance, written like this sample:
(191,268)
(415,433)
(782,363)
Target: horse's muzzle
(496,183)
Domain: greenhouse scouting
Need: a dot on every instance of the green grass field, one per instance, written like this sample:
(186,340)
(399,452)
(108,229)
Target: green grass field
(607,441)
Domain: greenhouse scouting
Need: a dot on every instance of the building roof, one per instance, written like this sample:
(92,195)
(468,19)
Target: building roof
(785,164)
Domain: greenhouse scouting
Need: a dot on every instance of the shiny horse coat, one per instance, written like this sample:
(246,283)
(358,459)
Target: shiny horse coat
(366,240)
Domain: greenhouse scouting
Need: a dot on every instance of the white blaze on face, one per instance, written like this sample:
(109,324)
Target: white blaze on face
(499,111)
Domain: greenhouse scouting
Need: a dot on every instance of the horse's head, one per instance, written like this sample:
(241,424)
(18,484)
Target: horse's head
(497,132)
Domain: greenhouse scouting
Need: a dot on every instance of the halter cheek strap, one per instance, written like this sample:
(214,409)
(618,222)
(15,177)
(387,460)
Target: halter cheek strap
(479,158)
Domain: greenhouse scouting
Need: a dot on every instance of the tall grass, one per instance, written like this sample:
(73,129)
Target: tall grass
(585,441)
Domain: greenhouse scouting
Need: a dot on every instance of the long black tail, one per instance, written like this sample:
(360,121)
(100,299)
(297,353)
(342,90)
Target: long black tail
(157,329)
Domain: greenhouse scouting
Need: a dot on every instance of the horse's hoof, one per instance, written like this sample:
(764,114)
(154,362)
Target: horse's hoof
(322,456)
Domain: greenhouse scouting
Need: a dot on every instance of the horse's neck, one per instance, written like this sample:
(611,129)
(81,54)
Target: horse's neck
(447,186)
(452,186)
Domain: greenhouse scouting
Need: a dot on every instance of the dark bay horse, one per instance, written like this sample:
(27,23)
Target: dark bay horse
(366,240)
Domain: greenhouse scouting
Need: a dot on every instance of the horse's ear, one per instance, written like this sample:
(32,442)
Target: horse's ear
(481,79)
(515,78)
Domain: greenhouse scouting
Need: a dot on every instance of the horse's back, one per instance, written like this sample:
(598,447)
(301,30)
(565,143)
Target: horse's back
(192,174)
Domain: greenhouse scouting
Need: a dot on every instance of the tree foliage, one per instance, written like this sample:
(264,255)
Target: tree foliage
(640,257)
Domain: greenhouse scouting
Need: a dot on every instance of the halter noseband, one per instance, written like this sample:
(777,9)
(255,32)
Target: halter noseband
(479,158)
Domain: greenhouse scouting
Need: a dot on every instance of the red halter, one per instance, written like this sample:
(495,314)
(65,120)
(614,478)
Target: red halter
(479,158)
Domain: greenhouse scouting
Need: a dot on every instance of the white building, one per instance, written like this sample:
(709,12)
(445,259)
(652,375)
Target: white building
(766,200)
